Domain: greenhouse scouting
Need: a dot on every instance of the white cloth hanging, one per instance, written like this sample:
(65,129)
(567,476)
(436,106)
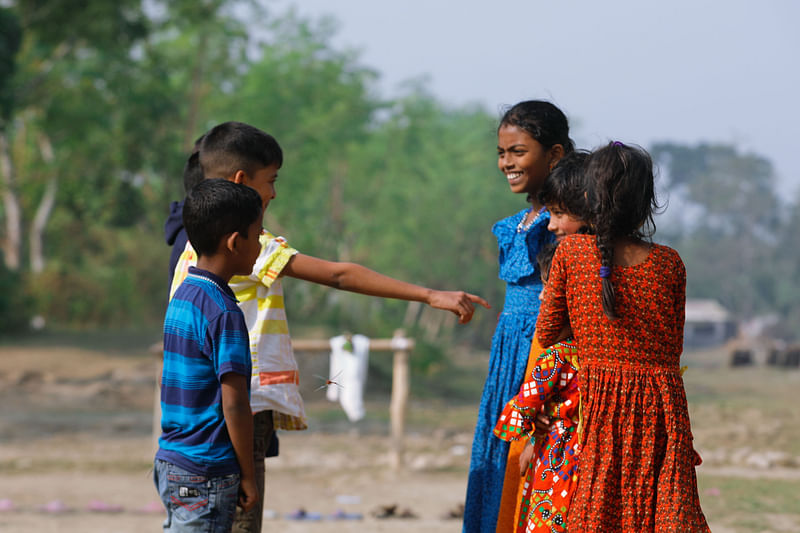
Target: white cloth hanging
(348,369)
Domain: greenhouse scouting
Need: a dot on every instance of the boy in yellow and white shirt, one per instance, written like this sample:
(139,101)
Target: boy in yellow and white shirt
(244,154)
(275,381)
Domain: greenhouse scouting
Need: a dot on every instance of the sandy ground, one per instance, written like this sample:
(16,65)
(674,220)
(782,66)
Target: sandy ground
(116,471)
(75,429)
(75,432)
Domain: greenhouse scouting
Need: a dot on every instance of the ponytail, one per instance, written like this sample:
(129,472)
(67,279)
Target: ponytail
(606,248)
(621,192)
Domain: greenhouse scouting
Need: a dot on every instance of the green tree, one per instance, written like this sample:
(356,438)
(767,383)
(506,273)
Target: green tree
(102,110)
(785,266)
(406,187)
(10,38)
(430,174)
(55,35)
(731,214)
(103,117)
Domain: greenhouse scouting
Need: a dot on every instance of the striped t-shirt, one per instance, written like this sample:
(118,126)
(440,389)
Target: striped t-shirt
(275,381)
(205,337)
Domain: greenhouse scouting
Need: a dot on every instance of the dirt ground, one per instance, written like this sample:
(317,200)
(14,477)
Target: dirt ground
(75,437)
(116,471)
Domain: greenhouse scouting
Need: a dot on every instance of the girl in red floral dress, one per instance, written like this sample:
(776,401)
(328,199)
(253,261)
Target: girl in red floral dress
(624,297)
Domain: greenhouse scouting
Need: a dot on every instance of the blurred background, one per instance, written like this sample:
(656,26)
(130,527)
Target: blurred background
(387,114)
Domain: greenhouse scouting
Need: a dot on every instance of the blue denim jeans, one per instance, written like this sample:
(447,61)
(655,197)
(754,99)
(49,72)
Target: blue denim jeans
(196,503)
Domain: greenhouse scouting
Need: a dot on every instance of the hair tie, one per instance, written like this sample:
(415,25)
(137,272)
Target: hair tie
(617,143)
(605,272)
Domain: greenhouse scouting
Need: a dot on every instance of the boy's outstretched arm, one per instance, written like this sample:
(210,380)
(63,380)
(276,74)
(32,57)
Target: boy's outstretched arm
(356,278)
(239,419)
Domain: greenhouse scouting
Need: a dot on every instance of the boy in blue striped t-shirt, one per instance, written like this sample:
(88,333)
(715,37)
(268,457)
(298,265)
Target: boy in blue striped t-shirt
(204,463)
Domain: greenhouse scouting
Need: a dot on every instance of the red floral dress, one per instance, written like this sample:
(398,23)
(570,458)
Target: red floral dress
(552,387)
(637,463)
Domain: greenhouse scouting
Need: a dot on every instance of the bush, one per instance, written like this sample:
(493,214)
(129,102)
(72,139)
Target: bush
(15,305)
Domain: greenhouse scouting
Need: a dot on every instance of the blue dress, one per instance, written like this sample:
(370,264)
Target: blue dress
(509,357)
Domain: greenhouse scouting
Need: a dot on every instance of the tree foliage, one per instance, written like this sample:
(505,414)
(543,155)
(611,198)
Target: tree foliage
(10,38)
(103,100)
(734,230)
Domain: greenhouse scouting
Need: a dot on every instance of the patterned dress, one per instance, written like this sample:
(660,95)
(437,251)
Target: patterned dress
(552,388)
(637,463)
(507,362)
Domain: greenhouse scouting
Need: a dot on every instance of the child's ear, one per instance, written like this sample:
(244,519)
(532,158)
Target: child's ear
(231,241)
(556,153)
(239,177)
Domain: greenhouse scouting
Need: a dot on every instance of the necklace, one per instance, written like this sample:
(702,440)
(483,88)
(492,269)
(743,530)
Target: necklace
(522,226)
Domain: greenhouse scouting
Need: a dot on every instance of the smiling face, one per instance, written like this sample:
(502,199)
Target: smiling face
(523,160)
(563,223)
(263,181)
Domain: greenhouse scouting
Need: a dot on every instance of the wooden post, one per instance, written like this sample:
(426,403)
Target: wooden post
(397,409)
(399,344)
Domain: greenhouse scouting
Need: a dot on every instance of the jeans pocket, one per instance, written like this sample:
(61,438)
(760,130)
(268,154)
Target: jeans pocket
(225,497)
(223,483)
(188,494)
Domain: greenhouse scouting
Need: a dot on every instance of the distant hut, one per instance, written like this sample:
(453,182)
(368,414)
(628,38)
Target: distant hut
(707,324)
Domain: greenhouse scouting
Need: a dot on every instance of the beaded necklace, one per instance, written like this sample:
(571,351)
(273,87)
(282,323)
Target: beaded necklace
(525,227)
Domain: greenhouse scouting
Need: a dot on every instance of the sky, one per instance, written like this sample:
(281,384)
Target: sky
(639,71)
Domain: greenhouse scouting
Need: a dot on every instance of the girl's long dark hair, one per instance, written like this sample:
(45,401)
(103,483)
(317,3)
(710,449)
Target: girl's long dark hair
(566,186)
(541,120)
(622,195)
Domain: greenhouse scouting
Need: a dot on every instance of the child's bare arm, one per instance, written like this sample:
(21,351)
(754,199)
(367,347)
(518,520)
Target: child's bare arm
(525,458)
(356,278)
(239,419)
(566,333)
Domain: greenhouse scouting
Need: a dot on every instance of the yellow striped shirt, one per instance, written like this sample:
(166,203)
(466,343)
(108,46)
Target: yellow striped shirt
(274,383)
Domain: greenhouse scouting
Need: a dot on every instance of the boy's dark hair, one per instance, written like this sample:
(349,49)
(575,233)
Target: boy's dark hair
(622,194)
(545,258)
(541,120)
(566,186)
(233,146)
(216,208)
(192,171)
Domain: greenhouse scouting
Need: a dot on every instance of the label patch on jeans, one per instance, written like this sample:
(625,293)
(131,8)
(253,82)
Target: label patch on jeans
(188,492)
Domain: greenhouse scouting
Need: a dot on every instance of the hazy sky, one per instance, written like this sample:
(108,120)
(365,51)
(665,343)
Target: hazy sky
(635,70)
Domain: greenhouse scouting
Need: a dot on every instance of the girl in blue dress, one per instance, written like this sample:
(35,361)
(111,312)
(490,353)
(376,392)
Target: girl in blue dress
(532,137)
